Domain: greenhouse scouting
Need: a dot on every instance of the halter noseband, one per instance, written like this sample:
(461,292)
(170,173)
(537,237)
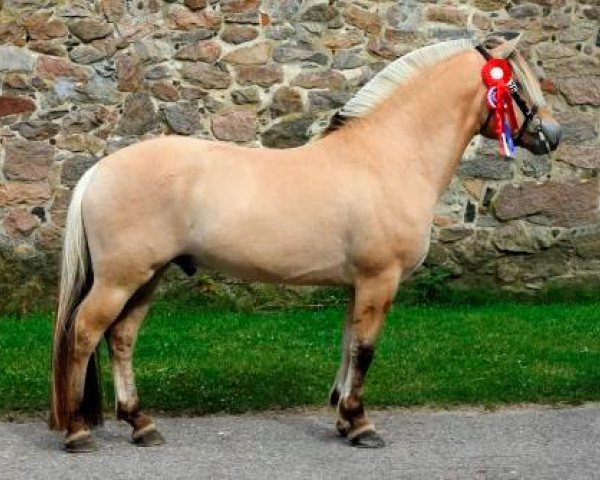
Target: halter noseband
(528,113)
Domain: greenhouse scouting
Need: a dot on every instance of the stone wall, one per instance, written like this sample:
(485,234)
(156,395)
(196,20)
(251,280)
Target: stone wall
(82,79)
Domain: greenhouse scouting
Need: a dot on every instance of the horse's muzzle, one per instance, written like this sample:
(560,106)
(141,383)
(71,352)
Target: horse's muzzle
(552,131)
(542,136)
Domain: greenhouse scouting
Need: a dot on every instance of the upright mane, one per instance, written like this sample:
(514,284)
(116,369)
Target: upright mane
(398,71)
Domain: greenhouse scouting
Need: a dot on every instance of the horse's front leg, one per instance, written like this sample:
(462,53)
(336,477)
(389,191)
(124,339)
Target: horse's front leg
(340,378)
(373,299)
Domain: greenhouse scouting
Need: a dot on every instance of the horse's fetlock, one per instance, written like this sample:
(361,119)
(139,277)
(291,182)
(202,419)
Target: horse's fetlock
(128,411)
(351,407)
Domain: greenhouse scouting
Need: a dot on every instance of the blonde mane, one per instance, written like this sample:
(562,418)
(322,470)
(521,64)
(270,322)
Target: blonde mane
(400,70)
(405,67)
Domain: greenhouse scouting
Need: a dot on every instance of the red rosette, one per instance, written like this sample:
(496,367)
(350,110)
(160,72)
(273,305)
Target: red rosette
(495,72)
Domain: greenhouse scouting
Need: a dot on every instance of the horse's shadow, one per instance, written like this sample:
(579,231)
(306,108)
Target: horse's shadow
(35,435)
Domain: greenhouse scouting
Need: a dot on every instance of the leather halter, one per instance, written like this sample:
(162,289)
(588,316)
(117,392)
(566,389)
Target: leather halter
(528,113)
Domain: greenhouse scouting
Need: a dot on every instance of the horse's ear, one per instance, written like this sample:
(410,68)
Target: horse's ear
(508,46)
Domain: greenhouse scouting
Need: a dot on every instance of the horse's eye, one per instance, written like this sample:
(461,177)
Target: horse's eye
(519,85)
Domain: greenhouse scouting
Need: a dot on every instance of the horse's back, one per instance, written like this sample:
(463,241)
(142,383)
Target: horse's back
(261,214)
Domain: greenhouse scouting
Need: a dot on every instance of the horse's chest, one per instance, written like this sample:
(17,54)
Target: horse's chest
(416,259)
(412,250)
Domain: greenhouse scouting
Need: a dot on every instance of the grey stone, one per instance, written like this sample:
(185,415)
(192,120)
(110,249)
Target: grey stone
(447,34)
(349,58)
(321,12)
(587,245)
(566,201)
(486,166)
(519,237)
(74,167)
(183,118)
(80,121)
(404,15)
(99,90)
(192,36)
(245,95)
(139,115)
(73,11)
(152,51)
(440,256)
(475,251)
(454,234)
(286,100)
(291,132)
(251,17)
(554,51)
(537,167)
(577,126)
(90,29)
(327,100)
(535,267)
(15,59)
(158,72)
(236,34)
(281,10)
(294,51)
(207,76)
(525,10)
(36,129)
(280,32)
(86,54)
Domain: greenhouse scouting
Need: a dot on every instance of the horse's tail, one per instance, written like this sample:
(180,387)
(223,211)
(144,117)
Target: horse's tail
(75,282)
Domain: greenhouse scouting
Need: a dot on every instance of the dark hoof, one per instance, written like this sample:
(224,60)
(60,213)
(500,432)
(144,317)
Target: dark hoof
(85,444)
(149,439)
(369,439)
(343,427)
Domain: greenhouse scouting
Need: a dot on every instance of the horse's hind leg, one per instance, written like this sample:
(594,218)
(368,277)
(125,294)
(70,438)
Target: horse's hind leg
(121,338)
(97,312)
(373,299)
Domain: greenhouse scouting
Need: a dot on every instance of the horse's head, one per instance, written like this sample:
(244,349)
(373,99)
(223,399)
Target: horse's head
(538,131)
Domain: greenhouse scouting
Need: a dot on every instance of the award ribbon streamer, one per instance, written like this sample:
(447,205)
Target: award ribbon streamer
(497,76)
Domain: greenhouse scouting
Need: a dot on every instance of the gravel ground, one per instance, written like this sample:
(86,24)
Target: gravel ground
(528,443)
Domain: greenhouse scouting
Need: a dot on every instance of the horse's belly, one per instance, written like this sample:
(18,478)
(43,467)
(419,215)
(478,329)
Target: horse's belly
(275,262)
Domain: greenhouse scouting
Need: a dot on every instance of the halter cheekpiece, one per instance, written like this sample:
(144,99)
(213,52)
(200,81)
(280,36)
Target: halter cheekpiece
(497,75)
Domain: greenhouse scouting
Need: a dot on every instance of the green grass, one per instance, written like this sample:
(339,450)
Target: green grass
(192,360)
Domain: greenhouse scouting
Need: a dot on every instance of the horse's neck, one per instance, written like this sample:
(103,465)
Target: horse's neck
(423,129)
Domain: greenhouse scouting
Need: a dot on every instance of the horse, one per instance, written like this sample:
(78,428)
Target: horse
(354,207)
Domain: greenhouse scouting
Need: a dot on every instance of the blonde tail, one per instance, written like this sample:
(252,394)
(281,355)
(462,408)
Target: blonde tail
(75,281)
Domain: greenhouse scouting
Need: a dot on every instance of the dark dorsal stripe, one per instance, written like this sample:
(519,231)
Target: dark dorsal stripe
(336,122)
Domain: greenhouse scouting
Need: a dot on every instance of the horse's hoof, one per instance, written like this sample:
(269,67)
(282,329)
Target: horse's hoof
(151,438)
(81,444)
(368,439)
(343,427)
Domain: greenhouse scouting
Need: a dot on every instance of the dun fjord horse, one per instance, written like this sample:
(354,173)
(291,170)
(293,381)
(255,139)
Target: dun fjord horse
(352,208)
